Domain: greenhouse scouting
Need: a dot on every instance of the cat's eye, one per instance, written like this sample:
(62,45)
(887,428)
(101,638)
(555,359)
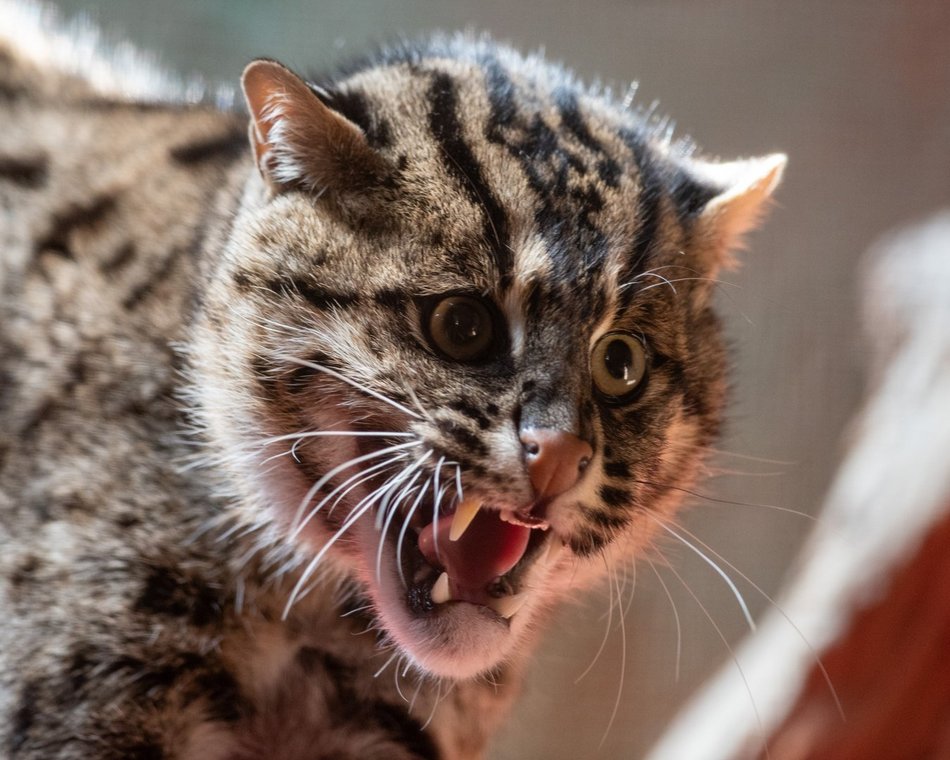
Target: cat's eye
(462,328)
(618,365)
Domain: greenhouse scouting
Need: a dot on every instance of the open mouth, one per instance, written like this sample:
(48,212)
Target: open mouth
(457,593)
(475,555)
(455,585)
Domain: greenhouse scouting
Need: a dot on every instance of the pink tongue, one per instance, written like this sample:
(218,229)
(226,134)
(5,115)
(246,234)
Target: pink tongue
(489,548)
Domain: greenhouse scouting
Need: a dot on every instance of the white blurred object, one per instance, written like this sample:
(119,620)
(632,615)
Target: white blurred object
(891,492)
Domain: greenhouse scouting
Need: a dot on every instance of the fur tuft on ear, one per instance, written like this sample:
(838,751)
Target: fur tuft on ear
(298,141)
(744,187)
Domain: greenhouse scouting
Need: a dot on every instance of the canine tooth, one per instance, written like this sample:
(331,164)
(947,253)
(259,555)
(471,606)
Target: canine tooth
(440,590)
(507,606)
(464,514)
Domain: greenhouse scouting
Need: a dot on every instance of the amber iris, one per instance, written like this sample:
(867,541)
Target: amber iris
(618,366)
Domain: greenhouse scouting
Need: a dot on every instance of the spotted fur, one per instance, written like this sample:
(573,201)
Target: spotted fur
(177,308)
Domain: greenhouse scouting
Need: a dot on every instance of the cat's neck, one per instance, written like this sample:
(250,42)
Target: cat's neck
(331,630)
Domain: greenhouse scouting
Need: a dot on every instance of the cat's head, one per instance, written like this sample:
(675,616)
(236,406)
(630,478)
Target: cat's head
(460,345)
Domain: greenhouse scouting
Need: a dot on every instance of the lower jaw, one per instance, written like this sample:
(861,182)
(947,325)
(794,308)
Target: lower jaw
(457,639)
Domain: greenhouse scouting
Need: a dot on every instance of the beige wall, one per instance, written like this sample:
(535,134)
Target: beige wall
(858,94)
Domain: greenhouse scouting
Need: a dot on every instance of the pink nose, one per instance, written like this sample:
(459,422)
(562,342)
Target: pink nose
(555,460)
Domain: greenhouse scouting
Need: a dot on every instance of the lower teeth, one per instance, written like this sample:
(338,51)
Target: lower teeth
(440,590)
(505,606)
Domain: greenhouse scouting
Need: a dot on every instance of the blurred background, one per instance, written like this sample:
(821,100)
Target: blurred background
(858,95)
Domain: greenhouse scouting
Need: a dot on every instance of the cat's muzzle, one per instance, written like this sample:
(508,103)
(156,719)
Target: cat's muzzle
(476,555)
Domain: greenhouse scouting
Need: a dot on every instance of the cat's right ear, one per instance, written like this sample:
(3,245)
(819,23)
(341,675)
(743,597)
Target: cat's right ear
(298,141)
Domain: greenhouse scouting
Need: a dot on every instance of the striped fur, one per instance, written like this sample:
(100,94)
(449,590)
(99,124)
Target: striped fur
(177,307)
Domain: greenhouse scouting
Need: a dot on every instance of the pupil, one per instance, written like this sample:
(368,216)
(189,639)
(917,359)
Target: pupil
(618,358)
(463,324)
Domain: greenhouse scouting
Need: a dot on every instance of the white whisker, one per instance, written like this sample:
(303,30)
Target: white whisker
(730,502)
(732,654)
(415,694)
(418,405)
(633,587)
(649,274)
(357,513)
(401,478)
(782,462)
(396,679)
(339,468)
(722,573)
(676,618)
(346,433)
(405,527)
(437,473)
(357,610)
(300,438)
(404,494)
(386,664)
(356,479)
(359,386)
(623,665)
(361,508)
(770,600)
(686,279)
(435,705)
(603,641)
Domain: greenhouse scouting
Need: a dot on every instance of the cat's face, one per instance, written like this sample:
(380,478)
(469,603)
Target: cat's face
(474,335)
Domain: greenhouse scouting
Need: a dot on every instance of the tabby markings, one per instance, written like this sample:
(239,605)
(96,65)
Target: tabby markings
(30,173)
(466,438)
(24,716)
(616,469)
(144,289)
(78,216)
(614,497)
(168,592)
(462,164)
(350,706)
(463,407)
(119,259)
(230,145)
(354,106)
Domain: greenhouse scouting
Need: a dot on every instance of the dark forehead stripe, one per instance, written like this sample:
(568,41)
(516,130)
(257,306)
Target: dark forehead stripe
(607,167)
(648,211)
(552,160)
(501,96)
(462,164)
(571,117)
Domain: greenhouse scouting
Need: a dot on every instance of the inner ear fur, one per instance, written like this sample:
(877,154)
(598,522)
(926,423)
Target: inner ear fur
(743,188)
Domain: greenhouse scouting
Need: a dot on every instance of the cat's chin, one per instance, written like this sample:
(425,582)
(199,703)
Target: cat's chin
(459,640)
(451,638)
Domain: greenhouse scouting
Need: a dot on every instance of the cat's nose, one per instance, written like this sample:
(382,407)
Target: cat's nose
(556,459)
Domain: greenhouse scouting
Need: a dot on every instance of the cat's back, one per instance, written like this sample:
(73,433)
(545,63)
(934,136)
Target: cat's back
(103,203)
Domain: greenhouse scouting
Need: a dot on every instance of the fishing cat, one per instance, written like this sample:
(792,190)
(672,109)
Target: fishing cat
(311,413)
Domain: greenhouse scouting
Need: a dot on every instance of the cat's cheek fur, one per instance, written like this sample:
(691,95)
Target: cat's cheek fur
(162,601)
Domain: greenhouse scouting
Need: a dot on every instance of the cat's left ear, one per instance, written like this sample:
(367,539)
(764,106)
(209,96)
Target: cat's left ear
(741,193)
(300,142)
